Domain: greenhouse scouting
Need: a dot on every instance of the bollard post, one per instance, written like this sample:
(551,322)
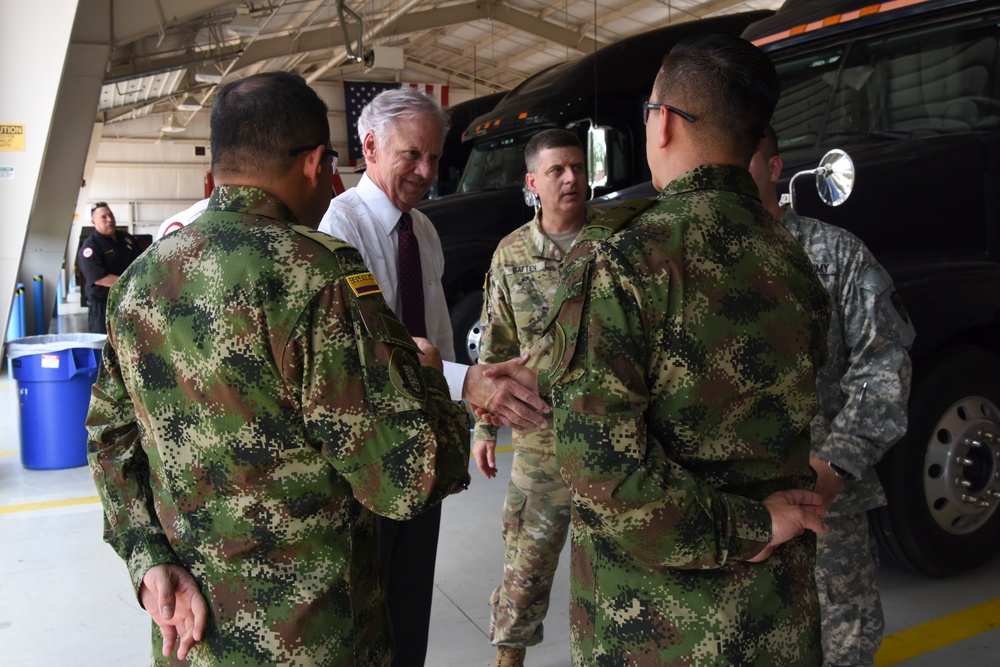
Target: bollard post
(15,327)
(18,315)
(38,301)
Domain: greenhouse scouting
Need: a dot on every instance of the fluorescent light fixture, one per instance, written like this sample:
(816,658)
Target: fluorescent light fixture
(205,77)
(189,103)
(244,26)
(172,127)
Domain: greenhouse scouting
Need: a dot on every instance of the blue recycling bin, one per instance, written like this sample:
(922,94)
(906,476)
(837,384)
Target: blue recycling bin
(54,374)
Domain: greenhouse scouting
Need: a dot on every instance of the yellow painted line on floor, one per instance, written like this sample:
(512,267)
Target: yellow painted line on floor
(940,632)
(8,452)
(48,504)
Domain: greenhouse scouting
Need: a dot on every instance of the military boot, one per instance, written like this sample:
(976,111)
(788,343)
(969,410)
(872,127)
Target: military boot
(510,656)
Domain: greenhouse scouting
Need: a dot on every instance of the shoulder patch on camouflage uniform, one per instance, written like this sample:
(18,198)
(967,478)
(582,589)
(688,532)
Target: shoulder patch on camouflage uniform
(406,375)
(331,242)
(615,218)
(363,284)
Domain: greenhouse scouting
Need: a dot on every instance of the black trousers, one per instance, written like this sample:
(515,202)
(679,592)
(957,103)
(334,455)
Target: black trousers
(97,312)
(407,552)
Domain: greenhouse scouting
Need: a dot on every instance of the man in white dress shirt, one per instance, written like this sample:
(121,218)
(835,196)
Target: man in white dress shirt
(402,132)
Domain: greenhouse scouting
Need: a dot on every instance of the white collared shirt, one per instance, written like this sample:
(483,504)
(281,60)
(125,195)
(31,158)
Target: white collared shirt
(364,217)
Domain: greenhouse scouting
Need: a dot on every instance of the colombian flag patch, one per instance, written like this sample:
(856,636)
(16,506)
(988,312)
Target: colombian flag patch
(363,283)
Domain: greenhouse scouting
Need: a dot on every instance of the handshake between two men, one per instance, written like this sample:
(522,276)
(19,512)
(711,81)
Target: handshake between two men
(506,394)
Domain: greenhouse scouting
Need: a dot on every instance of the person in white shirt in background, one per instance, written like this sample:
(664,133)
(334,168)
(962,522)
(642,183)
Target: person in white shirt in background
(182,219)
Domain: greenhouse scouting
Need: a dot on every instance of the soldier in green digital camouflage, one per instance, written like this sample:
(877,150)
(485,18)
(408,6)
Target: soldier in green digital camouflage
(257,403)
(863,389)
(687,337)
(520,285)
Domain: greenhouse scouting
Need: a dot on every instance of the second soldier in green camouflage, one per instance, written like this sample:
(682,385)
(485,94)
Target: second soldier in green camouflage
(258,402)
(686,346)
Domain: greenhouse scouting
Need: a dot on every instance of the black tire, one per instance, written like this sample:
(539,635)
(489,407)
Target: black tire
(943,478)
(466,327)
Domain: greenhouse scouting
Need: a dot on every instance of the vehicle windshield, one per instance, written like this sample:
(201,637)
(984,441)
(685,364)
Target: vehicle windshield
(496,163)
(929,81)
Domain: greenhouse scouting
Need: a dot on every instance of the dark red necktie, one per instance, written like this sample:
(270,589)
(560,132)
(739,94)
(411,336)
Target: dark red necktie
(411,279)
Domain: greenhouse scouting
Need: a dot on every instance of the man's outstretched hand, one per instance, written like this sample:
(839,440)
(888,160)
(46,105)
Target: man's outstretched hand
(509,392)
(792,512)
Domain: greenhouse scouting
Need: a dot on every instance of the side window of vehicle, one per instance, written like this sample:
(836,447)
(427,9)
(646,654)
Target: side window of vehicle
(936,80)
(807,85)
(928,80)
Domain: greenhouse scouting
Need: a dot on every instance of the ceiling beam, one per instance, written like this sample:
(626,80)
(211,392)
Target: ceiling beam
(333,37)
(132,20)
(148,66)
(452,75)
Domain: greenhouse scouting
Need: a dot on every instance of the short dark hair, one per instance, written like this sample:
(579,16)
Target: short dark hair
(725,82)
(553,138)
(258,120)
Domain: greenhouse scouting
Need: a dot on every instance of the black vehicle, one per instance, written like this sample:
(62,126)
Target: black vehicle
(913,96)
(456,152)
(599,96)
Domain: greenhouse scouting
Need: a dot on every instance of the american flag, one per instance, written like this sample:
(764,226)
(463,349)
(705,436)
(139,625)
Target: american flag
(359,93)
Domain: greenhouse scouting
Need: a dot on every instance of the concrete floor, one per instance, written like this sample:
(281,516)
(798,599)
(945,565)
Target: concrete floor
(65,598)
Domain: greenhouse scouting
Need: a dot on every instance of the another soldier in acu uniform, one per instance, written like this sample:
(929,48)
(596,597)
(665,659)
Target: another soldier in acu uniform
(257,403)
(687,345)
(520,286)
(519,290)
(863,389)
(103,257)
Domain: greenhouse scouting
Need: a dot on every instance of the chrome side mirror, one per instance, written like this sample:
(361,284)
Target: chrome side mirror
(597,157)
(834,179)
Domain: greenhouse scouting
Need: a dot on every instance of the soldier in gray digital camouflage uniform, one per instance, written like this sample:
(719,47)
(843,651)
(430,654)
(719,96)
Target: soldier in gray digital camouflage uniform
(863,389)
(519,289)
(687,337)
(257,402)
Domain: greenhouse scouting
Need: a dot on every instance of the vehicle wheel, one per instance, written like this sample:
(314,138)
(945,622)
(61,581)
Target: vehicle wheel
(466,326)
(943,478)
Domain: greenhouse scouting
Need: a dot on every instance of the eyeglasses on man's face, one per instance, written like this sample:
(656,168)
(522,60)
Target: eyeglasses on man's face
(327,152)
(656,106)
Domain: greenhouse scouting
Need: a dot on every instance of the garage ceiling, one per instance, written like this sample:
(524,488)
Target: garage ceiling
(484,46)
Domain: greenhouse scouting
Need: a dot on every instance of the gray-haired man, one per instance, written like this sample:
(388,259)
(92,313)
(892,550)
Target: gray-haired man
(402,132)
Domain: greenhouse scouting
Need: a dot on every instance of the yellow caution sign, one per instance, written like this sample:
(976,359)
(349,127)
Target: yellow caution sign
(11,137)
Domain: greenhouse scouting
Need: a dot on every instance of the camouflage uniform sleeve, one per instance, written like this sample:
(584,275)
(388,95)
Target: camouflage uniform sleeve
(499,340)
(121,472)
(876,384)
(623,485)
(383,421)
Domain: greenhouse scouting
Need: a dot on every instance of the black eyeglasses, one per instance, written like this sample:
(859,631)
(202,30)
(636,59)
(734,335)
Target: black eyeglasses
(98,205)
(652,106)
(329,152)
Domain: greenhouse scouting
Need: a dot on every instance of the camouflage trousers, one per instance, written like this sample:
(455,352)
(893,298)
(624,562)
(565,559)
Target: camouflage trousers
(851,611)
(536,518)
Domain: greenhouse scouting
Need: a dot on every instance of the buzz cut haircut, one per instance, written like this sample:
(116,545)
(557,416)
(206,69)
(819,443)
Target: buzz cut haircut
(553,138)
(725,82)
(257,121)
